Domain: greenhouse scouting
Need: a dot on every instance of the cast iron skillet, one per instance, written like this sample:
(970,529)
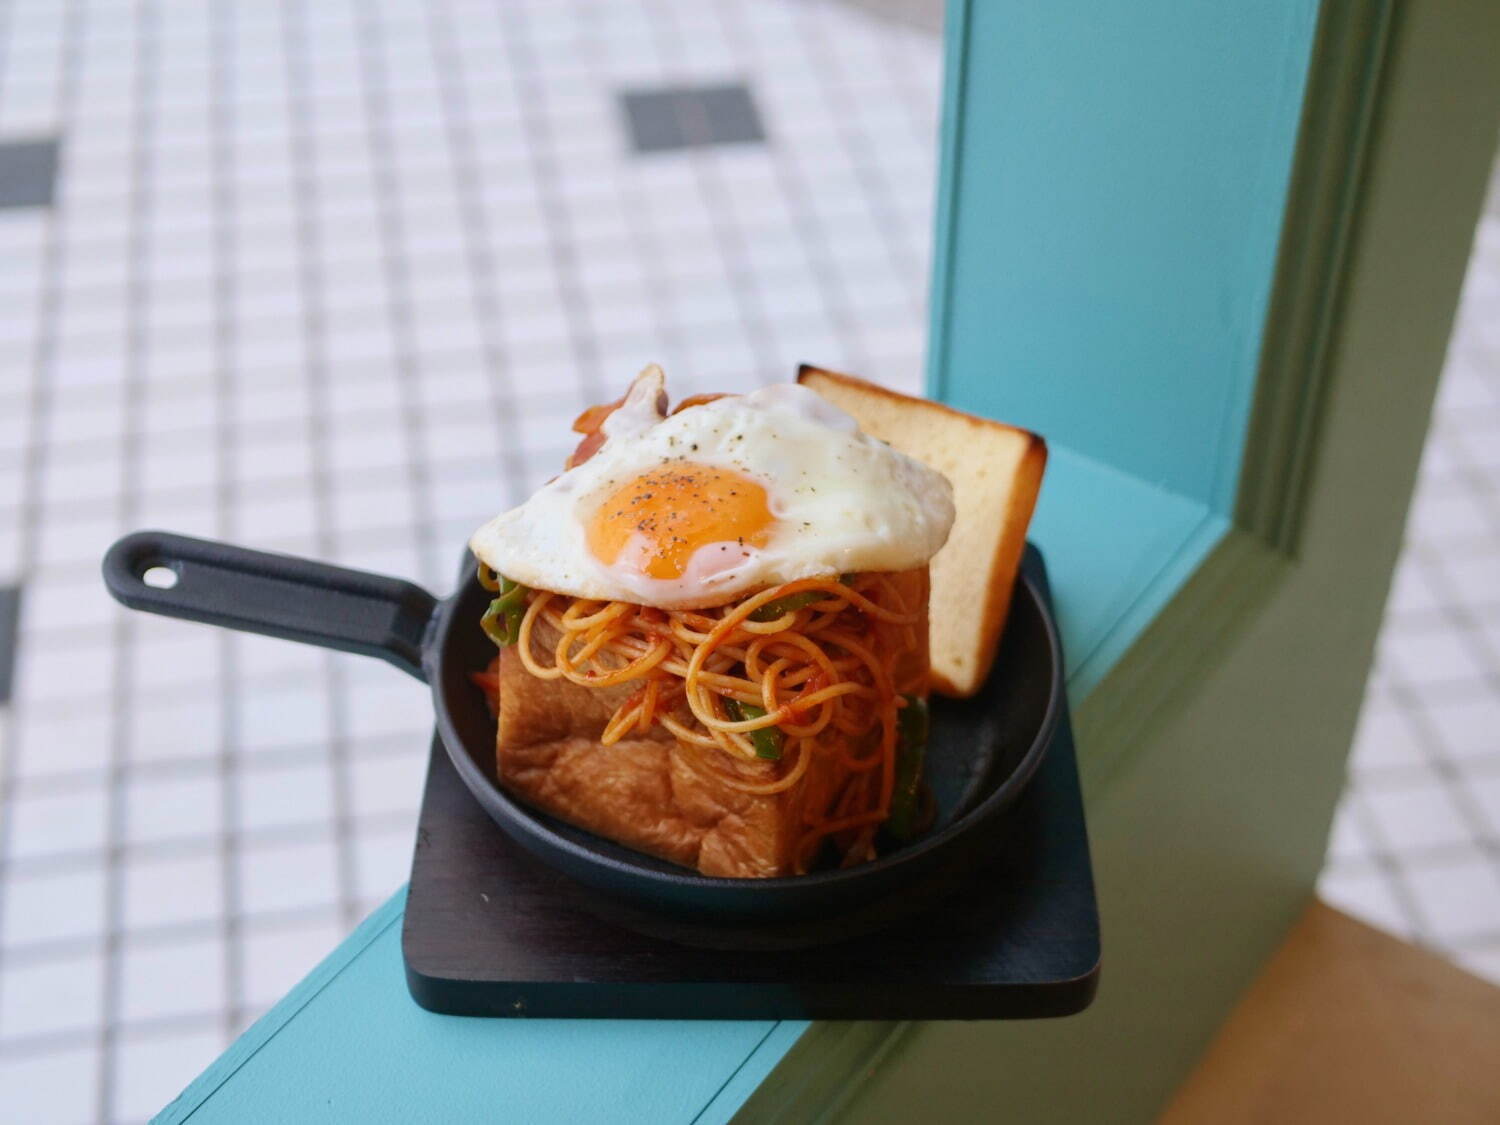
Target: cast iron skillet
(982,751)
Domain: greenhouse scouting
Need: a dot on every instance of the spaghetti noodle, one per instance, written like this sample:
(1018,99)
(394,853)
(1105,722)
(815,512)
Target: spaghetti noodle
(813,672)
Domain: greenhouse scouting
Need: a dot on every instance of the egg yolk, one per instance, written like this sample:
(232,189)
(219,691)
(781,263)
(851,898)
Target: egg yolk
(670,513)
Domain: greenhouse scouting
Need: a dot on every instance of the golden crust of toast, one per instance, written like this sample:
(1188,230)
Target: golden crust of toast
(996,472)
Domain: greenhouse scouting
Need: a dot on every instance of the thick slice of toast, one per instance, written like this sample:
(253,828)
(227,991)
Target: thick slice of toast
(996,472)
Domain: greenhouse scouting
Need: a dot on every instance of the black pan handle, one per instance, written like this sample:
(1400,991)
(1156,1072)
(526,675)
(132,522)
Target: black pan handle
(278,595)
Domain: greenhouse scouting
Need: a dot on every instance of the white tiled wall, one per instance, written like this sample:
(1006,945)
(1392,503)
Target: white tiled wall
(332,278)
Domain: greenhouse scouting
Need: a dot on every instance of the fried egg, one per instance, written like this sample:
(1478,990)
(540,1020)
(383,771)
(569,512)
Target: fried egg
(719,500)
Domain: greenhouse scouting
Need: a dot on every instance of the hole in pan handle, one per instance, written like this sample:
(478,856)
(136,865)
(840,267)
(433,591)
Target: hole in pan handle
(277,595)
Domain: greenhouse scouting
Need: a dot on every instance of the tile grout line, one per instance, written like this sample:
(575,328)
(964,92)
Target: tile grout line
(1454,780)
(488,307)
(197,845)
(1398,777)
(1384,858)
(399,303)
(1459,619)
(175,933)
(275,487)
(139,204)
(226,338)
(86,779)
(1475,482)
(1415,858)
(298,66)
(69,1040)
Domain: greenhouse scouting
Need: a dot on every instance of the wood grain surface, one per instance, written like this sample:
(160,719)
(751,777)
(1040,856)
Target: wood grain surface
(1350,1024)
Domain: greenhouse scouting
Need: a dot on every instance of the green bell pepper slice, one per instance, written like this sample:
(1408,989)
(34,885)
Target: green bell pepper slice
(767,741)
(780,607)
(502,621)
(912,729)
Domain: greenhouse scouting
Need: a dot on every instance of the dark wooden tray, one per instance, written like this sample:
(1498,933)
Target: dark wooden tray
(491,931)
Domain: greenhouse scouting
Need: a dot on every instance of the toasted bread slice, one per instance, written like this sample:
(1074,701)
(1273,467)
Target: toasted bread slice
(996,471)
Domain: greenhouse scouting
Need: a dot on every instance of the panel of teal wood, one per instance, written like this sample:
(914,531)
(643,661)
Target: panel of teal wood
(1115,177)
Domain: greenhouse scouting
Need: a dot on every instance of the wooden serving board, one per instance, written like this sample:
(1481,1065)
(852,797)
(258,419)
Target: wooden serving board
(490,931)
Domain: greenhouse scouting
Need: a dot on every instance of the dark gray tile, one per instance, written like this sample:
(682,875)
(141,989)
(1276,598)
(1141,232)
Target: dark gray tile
(731,113)
(652,117)
(689,116)
(10,620)
(28,172)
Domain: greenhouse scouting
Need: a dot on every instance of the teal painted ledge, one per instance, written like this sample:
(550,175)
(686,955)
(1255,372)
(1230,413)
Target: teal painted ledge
(348,1044)
(1117,550)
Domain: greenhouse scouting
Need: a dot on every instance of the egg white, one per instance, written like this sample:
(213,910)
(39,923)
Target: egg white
(843,501)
